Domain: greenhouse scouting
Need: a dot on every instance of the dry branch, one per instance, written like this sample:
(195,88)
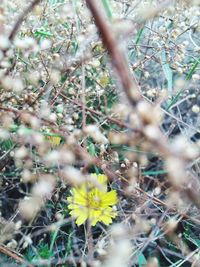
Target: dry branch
(21,18)
(132,91)
(12,254)
(128,81)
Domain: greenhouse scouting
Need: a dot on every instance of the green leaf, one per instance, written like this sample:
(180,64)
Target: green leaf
(174,100)
(107,7)
(7,144)
(139,35)
(53,240)
(167,71)
(74,45)
(155,172)
(141,260)
(92,149)
(192,70)
(45,252)
(43,33)
(188,77)
(54,2)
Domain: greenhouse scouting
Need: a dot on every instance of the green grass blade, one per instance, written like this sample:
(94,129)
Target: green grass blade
(192,70)
(54,236)
(139,35)
(107,8)
(167,71)
(138,38)
(188,77)
(155,172)
(142,260)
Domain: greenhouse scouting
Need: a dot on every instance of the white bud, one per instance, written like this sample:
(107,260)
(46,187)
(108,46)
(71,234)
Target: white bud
(21,153)
(45,44)
(29,207)
(4,42)
(44,187)
(152,132)
(195,109)
(94,132)
(176,170)
(18,86)
(72,176)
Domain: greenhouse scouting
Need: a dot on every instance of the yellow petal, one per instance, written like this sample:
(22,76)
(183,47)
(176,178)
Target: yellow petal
(109,198)
(94,217)
(80,215)
(94,221)
(79,197)
(69,199)
(104,80)
(81,219)
(106,220)
(102,179)
(75,212)
(109,212)
(73,206)
(78,211)
(54,140)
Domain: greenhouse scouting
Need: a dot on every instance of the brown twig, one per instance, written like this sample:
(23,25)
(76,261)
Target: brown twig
(21,18)
(97,113)
(128,81)
(12,254)
(21,112)
(83,99)
(132,91)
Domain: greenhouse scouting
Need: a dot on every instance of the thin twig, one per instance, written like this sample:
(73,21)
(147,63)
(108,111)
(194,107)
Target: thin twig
(83,98)
(97,113)
(21,18)
(127,80)
(12,254)
(132,91)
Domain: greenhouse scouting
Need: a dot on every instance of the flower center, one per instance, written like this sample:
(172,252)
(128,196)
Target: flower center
(94,201)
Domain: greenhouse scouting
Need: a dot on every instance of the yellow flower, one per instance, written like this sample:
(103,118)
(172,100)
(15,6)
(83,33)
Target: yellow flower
(92,201)
(53,140)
